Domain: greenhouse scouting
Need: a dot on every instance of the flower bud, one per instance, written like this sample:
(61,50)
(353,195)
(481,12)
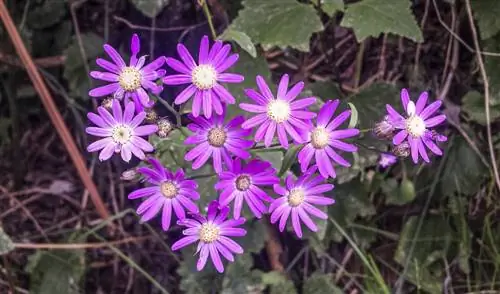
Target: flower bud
(128,175)
(435,136)
(151,115)
(384,129)
(401,150)
(164,127)
(107,103)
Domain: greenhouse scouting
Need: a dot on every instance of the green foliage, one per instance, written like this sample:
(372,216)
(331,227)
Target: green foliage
(473,106)
(150,8)
(278,283)
(399,194)
(374,17)
(354,116)
(47,15)
(239,278)
(319,283)
(256,236)
(289,159)
(274,156)
(6,244)
(486,14)
(242,39)
(332,6)
(268,22)
(196,282)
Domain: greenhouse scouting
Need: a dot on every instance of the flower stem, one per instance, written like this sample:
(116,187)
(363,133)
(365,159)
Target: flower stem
(206,10)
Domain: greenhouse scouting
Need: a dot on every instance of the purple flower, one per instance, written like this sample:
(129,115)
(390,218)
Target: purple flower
(242,183)
(217,140)
(324,138)
(298,199)
(281,114)
(415,127)
(212,233)
(387,159)
(168,191)
(204,78)
(121,132)
(129,81)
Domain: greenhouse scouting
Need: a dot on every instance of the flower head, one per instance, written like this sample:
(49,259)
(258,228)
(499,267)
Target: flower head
(415,126)
(213,234)
(280,113)
(120,131)
(241,182)
(129,81)
(387,159)
(204,77)
(166,191)
(324,138)
(218,140)
(297,198)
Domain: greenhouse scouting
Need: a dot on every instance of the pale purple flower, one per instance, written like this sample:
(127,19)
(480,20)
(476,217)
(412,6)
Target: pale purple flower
(282,114)
(387,159)
(298,200)
(213,236)
(242,183)
(204,77)
(415,126)
(129,81)
(324,138)
(167,191)
(121,132)
(218,140)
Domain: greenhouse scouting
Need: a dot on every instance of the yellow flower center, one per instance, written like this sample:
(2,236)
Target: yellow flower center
(415,126)
(319,138)
(168,189)
(204,76)
(296,197)
(121,134)
(209,232)
(243,182)
(278,110)
(130,79)
(217,137)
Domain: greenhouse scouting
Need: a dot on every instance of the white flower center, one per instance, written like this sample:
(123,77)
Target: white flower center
(278,110)
(217,137)
(204,76)
(121,134)
(130,79)
(319,138)
(168,189)
(296,197)
(415,126)
(243,182)
(209,232)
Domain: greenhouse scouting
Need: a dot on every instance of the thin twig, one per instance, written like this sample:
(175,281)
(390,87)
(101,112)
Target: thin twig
(71,246)
(486,93)
(206,10)
(146,28)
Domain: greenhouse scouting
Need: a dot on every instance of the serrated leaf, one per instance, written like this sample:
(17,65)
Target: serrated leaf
(6,244)
(319,283)
(289,159)
(150,8)
(353,121)
(239,278)
(374,17)
(242,39)
(279,23)
(473,106)
(486,14)
(332,6)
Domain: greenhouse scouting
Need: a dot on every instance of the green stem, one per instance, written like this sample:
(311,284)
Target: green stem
(359,64)
(206,10)
(171,109)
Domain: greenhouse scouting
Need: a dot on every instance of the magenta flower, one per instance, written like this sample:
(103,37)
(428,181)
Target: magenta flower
(130,81)
(242,183)
(324,138)
(415,127)
(298,198)
(212,234)
(387,159)
(218,140)
(121,131)
(168,191)
(281,114)
(205,77)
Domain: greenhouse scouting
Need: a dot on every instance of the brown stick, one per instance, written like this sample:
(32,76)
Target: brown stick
(51,108)
(273,249)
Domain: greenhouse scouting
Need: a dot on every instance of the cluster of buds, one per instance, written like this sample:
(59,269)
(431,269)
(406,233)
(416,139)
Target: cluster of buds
(164,127)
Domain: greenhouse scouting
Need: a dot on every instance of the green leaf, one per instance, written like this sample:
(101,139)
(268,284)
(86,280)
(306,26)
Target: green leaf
(278,283)
(492,67)
(150,8)
(319,283)
(486,13)
(473,106)
(279,23)
(6,244)
(239,278)
(325,90)
(398,194)
(374,17)
(195,282)
(332,6)
(274,156)
(242,39)
(354,116)
(47,15)
(289,159)
(255,238)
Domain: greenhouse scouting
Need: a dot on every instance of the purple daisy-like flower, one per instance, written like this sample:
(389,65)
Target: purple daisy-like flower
(168,191)
(218,140)
(213,236)
(298,199)
(121,131)
(204,77)
(282,113)
(387,159)
(415,127)
(324,138)
(130,81)
(242,183)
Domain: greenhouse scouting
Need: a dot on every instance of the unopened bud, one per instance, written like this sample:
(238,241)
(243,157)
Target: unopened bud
(384,129)
(402,150)
(164,127)
(435,136)
(107,103)
(151,115)
(128,175)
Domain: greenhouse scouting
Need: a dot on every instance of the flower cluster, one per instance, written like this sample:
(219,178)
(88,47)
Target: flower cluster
(244,181)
